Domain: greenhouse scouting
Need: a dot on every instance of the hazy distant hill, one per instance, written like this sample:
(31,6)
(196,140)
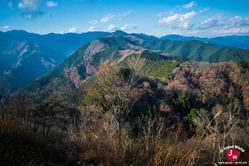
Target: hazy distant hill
(162,55)
(26,56)
(228,41)
(198,51)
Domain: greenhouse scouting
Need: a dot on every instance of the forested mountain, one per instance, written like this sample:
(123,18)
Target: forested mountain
(227,41)
(198,51)
(26,56)
(105,91)
(127,94)
(162,57)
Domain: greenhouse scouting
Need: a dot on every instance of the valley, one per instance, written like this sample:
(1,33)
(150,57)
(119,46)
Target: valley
(123,88)
(124,83)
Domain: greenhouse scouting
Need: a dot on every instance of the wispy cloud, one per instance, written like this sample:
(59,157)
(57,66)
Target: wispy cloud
(32,5)
(52,4)
(61,32)
(221,26)
(234,30)
(210,23)
(124,14)
(224,23)
(128,27)
(204,10)
(93,28)
(178,20)
(107,18)
(112,28)
(189,5)
(31,8)
(93,22)
(7,28)
(73,30)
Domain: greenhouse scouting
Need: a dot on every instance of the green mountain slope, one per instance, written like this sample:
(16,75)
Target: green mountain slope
(226,41)
(162,57)
(198,51)
(26,56)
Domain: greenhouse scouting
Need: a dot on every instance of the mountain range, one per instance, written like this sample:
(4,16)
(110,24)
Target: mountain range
(24,57)
(162,57)
(227,41)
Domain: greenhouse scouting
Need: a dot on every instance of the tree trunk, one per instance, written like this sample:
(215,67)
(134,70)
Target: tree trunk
(119,137)
(47,132)
(35,121)
(44,128)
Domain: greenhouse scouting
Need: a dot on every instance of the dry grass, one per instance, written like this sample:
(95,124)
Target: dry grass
(98,145)
(19,147)
(95,146)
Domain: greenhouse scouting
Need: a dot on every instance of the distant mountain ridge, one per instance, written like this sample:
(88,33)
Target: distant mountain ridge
(227,41)
(24,56)
(161,54)
(198,51)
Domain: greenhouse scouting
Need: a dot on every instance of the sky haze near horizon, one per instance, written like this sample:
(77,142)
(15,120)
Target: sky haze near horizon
(154,17)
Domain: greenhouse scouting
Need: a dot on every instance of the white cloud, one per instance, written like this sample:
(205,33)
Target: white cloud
(93,28)
(204,10)
(73,30)
(224,23)
(159,34)
(178,20)
(218,32)
(128,27)
(235,30)
(32,5)
(238,21)
(112,28)
(189,5)
(107,18)
(124,14)
(93,22)
(24,4)
(52,4)
(61,32)
(169,12)
(30,8)
(209,23)
(219,26)
(7,28)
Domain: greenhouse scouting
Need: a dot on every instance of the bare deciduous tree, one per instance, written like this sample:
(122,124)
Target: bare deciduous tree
(113,88)
(220,126)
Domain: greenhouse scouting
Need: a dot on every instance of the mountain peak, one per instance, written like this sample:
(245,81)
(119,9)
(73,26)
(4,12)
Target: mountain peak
(120,33)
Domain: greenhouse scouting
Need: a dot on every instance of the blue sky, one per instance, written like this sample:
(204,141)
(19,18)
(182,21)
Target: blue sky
(155,17)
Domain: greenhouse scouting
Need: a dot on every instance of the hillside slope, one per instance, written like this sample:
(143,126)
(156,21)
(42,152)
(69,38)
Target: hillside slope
(198,51)
(26,56)
(162,57)
(226,41)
